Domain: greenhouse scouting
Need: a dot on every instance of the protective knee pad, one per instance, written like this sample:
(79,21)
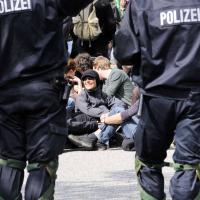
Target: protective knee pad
(11,179)
(150,180)
(185,184)
(41,181)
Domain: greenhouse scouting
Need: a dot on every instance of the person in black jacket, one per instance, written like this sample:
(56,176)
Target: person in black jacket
(162,38)
(32,111)
(107,24)
(94,103)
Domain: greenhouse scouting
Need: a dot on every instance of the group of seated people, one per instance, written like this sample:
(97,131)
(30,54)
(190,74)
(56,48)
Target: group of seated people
(102,101)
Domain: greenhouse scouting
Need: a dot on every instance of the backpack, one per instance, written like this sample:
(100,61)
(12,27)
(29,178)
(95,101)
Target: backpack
(86,24)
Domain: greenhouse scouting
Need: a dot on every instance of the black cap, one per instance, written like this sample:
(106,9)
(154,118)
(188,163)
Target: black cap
(91,73)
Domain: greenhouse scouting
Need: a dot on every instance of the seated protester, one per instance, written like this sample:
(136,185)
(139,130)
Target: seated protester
(73,72)
(128,120)
(117,83)
(78,123)
(93,102)
(83,62)
(101,61)
(74,82)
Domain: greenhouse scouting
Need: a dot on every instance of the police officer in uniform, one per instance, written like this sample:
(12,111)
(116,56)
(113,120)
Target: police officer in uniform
(163,39)
(32,112)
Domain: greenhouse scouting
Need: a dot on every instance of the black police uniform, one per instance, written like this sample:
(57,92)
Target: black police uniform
(32,113)
(163,39)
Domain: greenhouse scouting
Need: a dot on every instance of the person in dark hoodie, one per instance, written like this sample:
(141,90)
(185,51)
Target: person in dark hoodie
(95,103)
(77,122)
(32,110)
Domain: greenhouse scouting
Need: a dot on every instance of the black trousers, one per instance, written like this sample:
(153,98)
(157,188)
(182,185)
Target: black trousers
(162,121)
(32,121)
(80,124)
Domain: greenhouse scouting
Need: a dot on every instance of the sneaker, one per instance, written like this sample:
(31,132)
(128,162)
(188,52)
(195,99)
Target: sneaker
(101,146)
(82,141)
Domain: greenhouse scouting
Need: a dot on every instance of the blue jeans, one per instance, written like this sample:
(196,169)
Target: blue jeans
(107,131)
(70,103)
(129,127)
(70,108)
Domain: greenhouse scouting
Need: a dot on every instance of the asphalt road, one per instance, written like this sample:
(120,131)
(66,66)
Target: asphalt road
(97,175)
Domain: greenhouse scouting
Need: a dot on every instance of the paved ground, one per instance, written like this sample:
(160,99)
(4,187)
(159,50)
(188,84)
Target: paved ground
(100,175)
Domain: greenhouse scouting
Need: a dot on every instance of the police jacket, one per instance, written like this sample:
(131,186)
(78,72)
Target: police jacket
(31,39)
(163,38)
